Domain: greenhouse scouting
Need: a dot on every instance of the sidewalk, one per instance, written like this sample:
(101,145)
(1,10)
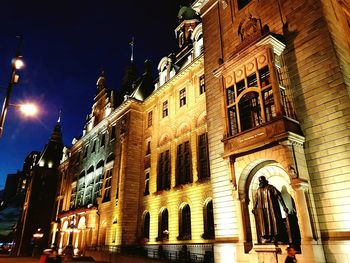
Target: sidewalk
(8,259)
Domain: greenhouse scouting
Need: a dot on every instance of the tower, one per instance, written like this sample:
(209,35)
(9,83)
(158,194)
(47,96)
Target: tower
(40,195)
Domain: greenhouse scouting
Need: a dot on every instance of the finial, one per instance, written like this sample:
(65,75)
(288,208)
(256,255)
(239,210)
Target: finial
(59,116)
(132,44)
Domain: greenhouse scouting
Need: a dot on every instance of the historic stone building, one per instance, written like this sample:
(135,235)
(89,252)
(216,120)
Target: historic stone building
(257,88)
(277,79)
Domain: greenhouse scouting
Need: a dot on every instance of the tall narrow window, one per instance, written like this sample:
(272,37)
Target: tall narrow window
(163,225)
(185,223)
(149,119)
(249,111)
(146,192)
(107,186)
(148,151)
(163,182)
(183,165)
(146,224)
(201,84)
(103,139)
(203,158)
(208,214)
(93,147)
(182,97)
(165,109)
(113,133)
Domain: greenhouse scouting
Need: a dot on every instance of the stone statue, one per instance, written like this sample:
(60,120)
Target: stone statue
(269,222)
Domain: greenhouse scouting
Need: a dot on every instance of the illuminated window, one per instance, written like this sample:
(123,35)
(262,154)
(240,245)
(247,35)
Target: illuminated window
(107,186)
(183,164)
(182,97)
(146,225)
(185,223)
(203,157)
(242,3)
(163,180)
(208,218)
(165,109)
(201,84)
(149,119)
(146,192)
(163,225)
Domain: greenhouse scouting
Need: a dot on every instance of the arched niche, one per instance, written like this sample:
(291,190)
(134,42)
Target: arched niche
(247,186)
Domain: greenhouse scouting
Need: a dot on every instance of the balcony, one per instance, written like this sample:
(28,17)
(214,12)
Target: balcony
(269,133)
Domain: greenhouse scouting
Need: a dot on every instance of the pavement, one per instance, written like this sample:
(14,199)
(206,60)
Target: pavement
(9,259)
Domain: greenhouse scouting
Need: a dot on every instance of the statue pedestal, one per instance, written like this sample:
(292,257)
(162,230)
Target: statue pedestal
(267,253)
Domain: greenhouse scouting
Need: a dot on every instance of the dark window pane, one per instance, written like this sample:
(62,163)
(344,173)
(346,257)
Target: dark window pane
(240,87)
(232,119)
(242,3)
(264,74)
(230,95)
(249,111)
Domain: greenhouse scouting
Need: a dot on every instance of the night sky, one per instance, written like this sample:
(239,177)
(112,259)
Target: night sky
(65,46)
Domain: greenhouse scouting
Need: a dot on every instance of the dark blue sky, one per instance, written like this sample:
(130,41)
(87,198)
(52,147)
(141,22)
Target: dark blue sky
(65,45)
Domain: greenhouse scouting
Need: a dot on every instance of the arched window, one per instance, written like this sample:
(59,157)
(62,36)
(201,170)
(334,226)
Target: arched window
(185,223)
(146,224)
(208,218)
(163,225)
(249,111)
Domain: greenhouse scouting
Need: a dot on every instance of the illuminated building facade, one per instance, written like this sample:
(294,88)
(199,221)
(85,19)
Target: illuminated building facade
(277,79)
(177,161)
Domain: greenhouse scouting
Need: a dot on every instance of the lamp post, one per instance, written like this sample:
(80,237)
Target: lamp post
(17,63)
(37,236)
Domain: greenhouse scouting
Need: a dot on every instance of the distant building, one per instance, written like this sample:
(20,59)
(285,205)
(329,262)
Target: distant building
(41,183)
(13,187)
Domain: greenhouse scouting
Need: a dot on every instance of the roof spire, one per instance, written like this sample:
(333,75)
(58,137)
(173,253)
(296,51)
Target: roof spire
(59,116)
(132,44)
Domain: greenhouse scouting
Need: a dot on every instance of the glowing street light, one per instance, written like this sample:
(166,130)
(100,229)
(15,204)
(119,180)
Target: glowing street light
(17,63)
(29,109)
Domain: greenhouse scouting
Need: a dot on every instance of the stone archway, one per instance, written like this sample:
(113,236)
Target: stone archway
(247,186)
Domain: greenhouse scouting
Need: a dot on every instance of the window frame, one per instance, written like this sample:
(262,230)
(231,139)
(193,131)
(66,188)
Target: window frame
(182,97)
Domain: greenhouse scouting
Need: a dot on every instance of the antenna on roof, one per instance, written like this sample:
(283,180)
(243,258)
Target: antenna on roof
(132,44)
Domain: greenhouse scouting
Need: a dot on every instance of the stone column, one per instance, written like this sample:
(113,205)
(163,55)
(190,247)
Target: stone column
(300,187)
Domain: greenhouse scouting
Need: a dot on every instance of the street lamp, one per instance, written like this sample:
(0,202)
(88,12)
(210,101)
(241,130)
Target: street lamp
(69,251)
(37,236)
(17,63)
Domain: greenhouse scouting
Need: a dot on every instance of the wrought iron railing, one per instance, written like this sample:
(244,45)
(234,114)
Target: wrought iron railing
(160,253)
